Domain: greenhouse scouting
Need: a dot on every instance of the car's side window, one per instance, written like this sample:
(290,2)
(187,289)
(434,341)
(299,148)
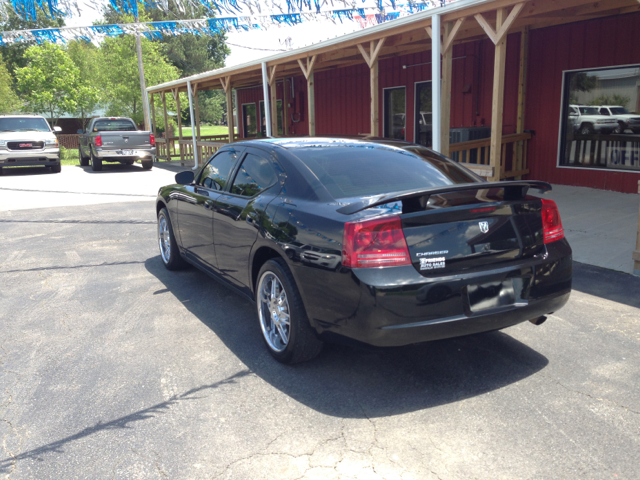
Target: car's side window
(255,175)
(216,174)
(604,111)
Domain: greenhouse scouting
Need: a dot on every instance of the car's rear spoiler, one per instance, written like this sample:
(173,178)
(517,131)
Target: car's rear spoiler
(512,191)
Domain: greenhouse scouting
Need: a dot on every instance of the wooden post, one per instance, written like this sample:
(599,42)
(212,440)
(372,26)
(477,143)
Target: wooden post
(308,73)
(499,38)
(518,147)
(153,115)
(166,126)
(371,58)
(226,85)
(176,96)
(285,108)
(450,32)
(497,108)
(197,105)
(274,101)
(636,254)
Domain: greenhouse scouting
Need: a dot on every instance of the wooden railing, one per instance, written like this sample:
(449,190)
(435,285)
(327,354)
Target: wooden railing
(171,149)
(475,155)
(617,151)
(205,150)
(68,140)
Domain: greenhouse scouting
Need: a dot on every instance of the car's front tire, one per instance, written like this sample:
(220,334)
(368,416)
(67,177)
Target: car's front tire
(147,164)
(96,163)
(283,320)
(56,168)
(167,243)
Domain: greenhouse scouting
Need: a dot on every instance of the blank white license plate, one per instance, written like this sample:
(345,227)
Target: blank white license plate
(127,152)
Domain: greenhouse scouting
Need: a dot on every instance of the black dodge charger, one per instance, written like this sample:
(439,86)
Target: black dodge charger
(375,241)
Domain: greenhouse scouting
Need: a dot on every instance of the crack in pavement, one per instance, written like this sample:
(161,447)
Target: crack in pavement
(62,267)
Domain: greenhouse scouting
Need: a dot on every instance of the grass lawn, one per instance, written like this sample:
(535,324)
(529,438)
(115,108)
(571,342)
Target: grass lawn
(207,130)
(69,156)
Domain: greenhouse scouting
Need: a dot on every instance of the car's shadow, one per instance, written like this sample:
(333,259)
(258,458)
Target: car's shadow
(23,171)
(354,382)
(115,168)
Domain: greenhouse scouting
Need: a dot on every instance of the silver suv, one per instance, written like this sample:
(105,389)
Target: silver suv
(28,140)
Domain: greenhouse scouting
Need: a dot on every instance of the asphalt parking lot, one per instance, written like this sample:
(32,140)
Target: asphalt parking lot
(113,367)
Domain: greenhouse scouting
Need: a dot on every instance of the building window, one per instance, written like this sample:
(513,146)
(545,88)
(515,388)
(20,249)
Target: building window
(423,114)
(250,120)
(395,113)
(600,125)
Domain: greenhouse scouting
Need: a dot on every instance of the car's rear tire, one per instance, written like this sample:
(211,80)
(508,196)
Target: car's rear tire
(169,252)
(56,168)
(147,164)
(96,163)
(283,320)
(84,161)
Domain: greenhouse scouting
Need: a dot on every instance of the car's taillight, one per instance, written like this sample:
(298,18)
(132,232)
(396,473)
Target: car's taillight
(551,223)
(374,243)
(98,141)
(152,140)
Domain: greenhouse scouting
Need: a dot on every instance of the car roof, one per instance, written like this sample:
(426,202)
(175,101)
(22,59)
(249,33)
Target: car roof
(290,143)
(20,115)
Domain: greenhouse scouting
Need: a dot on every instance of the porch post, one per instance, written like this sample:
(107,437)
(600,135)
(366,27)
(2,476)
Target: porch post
(193,126)
(226,85)
(308,74)
(153,115)
(499,38)
(518,147)
(274,101)
(371,58)
(636,254)
(436,96)
(267,100)
(497,108)
(176,96)
(166,126)
(196,103)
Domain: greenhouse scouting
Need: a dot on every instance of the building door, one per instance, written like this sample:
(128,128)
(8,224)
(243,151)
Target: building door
(395,113)
(250,122)
(423,123)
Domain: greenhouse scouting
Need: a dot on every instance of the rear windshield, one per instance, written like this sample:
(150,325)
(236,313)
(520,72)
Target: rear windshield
(23,124)
(362,170)
(114,126)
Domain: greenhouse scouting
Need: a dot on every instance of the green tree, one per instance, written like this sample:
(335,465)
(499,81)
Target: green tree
(121,85)
(9,102)
(88,60)
(49,83)
(14,54)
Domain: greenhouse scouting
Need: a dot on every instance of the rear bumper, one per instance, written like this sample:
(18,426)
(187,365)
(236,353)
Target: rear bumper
(46,157)
(124,155)
(398,306)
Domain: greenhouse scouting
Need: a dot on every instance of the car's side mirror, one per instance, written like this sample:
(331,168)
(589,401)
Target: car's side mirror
(57,129)
(184,178)
(80,132)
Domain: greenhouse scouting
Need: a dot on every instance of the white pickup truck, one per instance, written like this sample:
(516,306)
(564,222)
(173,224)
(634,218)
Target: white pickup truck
(588,120)
(28,140)
(626,120)
(116,139)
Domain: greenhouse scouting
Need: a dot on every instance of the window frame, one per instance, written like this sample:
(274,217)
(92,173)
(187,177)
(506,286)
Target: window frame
(241,154)
(562,117)
(236,169)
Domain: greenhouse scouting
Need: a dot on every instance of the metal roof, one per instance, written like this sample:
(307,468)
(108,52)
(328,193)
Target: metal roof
(387,26)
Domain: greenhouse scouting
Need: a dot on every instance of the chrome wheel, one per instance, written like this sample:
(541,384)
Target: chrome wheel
(164,238)
(273,310)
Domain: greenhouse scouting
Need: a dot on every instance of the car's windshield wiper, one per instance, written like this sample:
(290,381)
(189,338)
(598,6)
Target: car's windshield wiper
(7,130)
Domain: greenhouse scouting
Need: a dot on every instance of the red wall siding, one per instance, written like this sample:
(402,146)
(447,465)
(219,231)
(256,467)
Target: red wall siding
(594,43)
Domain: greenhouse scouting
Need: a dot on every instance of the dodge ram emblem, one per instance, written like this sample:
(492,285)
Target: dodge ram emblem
(484,227)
